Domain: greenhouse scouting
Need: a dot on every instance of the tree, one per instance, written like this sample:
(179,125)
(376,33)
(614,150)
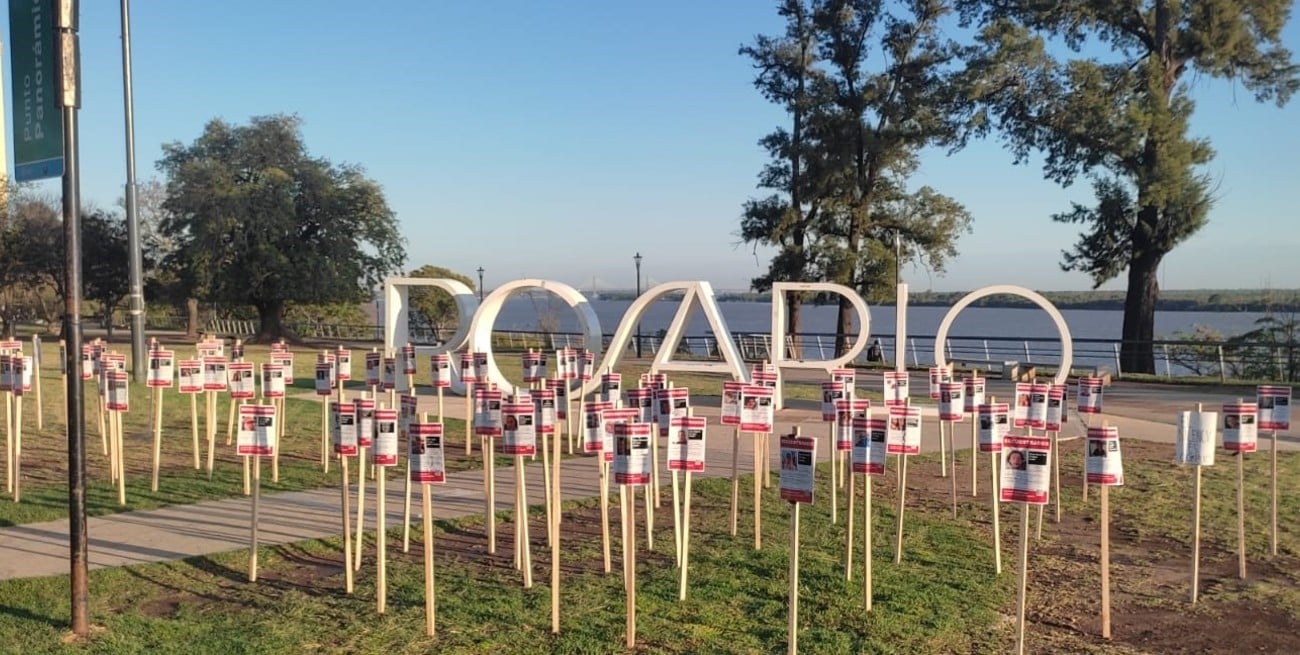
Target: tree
(104,261)
(259,221)
(1124,121)
(434,308)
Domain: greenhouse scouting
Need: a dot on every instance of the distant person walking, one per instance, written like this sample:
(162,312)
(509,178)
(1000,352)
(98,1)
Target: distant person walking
(875,353)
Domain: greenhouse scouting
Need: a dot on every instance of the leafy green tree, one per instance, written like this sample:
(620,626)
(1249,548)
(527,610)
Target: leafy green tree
(1123,119)
(433,308)
(259,221)
(104,261)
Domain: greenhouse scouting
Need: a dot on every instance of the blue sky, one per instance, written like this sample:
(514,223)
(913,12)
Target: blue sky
(556,139)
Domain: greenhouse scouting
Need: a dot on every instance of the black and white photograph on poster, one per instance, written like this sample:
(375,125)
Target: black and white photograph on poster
(1055,408)
(1026,472)
(798,468)
(1274,407)
(1196,438)
(481,370)
(440,370)
(611,387)
(487,418)
(272,381)
(425,448)
(365,410)
(832,392)
(756,411)
(686,443)
(974,388)
(343,362)
(994,423)
(468,374)
(519,436)
(1104,463)
(642,399)
(674,402)
(593,426)
(952,401)
(161,368)
(388,374)
(386,438)
(544,410)
(242,385)
(1020,405)
(632,454)
(1089,394)
(323,387)
(612,418)
(1037,417)
(1240,428)
(731,402)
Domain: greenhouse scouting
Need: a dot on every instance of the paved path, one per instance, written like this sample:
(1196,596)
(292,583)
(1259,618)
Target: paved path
(210,527)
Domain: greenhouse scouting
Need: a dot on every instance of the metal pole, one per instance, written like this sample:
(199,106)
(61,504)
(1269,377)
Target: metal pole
(135,265)
(637,259)
(69,76)
(480,284)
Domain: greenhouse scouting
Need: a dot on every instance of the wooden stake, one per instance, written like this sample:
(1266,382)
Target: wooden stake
(848,531)
(1056,473)
(546,486)
(381,539)
(835,503)
(361,502)
(1024,579)
(157,437)
(677,520)
(649,517)
(974,454)
(1196,535)
(866,542)
(974,458)
(1105,561)
(18,448)
(116,420)
(758,495)
(37,359)
(406,511)
(278,403)
(686,539)
(230,428)
(767,457)
(257,502)
(194,428)
(793,629)
(627,505)
(347,523)
(1241,515)
(553,517)
(735,480)
(490,479)
(521,530)
(210,425)
(995,507)
(101,413)
(943,450)
(9,442)
(1273,491)
(902,506)
(430,602)
(469,428)
(654,470)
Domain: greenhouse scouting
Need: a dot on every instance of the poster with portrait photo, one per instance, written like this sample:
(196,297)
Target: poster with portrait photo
(674,402)
(1055,415)
(272,381)
(1020,405)
(408,359)
(344,433)
(974,391)
(191,375)
(938,376)
(440,370)
(798,457)
(162,369)
(1103,463)
(118,392)
(519,435)
(611,388)
(365,410)
(214,374)
(611,419)
(1026,470)
(425,450)
(993,423)
(593,426)
(848,379)
(285,360)
(632,454)
(468,374)
(532,363)
(756,409)
(952,401)
(731,402)
(256,431)
(487,416)
(896,387)
(373,361)
(1240,427)
(686,443)
(343,363)
(1274,403)
(832,392)
(643,400)
(482,372)
(386,438)
(1088,392)
(388,374)
(544,411)
(904,430)
(242,384)
(846,412)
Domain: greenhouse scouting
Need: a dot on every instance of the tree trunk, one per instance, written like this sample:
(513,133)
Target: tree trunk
(108,321)
(793,325)
(271,321)
(1137,354)
(191,318)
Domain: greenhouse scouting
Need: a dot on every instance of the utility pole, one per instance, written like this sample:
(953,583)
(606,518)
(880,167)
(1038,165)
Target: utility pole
(68,67)
(637,259)
(135,295)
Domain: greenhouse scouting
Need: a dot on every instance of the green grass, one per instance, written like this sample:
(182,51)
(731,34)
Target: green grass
(943,598)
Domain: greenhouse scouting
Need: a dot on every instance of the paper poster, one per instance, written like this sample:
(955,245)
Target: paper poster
(256,431)
(467,373)
(731,402)
(1055,414)
(611,387)
(764,376)
(571,364)
(344,431)
(272,381)
(642,399)
(903,434)
(1037,414)
(686,443)
(1240,429)
(372,369)
(425,449)
(952,401)
(323,386)
(242,384)
(1104,464)
(860,457)
(481,369)
(588,363)
(657,380)
(832,393)
(118,392)
(1274,407)
(519,435)
(115,361)
(756,411)
(798,468)
(6,373)
(1026,469)
(1020,406)
(938,376)
(846,377)
(285,360)
(994,425)
(385,444)
(11,346)
(408,413)
(237,350)
(25,368)
(343,360)
(1089,395)
(88,364)
(487,413)
(896,388)
(533,370)
(561,390)
(388,375)
(440,370)
(847,411)
(191,376)
(612,418)
(674,402)
(365,410)
(408,359)
(593,426)
(632,454)
(214,374)
(162,369)
(211,348)
(1196,438)
(544,411)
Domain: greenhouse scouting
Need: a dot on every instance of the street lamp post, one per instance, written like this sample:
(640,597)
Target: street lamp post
(480,284)
(637,259)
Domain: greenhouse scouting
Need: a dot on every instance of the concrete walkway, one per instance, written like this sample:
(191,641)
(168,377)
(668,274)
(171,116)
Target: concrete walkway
(178,532)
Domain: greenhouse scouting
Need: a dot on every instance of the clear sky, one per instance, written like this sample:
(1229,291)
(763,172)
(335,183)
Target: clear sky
(557,139)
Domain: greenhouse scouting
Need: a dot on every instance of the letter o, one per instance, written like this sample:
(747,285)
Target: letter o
(1067,344)
(480,331)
